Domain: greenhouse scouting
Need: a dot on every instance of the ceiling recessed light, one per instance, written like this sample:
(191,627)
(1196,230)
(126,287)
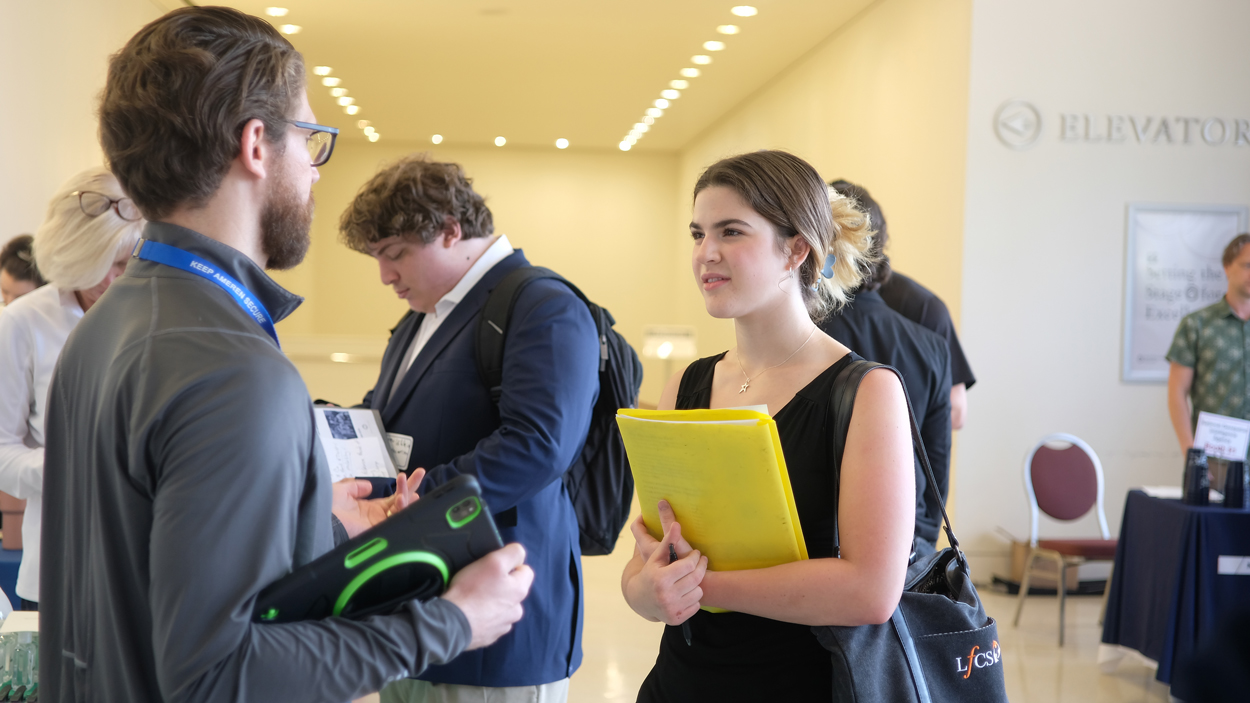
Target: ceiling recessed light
(624,146)
(670,94)
(351,109)
(361,124)
(290,28)
(641,127)
(500,141)
(373,137)
(714,45)
(369,130)
(728,29)
(745,11)
(345,101)
(661,103)
(322,70)
(654,112)
(648,120)
(680,84)
(701,59)
(436,139)
(276,11)
(690,72)
(330,82)
(562,143)
(338,92)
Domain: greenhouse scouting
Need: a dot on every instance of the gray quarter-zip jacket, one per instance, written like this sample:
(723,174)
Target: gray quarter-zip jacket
(182,476)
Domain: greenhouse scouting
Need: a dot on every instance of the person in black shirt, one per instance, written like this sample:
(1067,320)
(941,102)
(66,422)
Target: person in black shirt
(870,328)
(921,305)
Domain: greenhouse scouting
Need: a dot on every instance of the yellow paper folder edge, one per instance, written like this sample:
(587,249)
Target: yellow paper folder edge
(722,415)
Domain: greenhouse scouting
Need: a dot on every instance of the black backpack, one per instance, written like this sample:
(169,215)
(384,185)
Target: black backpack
(599,482)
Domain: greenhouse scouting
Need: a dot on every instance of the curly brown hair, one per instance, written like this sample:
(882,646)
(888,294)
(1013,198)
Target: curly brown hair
(412,198)
(178,95)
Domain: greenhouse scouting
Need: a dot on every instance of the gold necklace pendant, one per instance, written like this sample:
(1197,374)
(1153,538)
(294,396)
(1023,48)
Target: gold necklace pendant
(745,386)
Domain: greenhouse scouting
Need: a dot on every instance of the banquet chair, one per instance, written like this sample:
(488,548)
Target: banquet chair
(1063,479)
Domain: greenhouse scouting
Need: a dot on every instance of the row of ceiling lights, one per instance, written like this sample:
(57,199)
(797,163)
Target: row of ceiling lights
(334,83)
(339,93)
(561,143)
(676,86)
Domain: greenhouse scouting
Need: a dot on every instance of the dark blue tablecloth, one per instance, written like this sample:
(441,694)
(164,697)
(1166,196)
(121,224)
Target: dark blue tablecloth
(1166,593)
(10,559)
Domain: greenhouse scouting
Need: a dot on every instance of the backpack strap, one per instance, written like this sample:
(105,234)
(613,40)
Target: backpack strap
(492,326)
(845,386)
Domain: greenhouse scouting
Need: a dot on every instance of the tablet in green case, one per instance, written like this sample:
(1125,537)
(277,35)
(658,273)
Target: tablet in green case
(413,554)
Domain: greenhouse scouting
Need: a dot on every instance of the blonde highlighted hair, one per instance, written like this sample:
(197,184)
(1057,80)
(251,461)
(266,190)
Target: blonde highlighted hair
(790,194)
(75,250)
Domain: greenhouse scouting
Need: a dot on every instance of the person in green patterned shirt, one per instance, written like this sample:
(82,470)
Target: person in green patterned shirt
(1210,354)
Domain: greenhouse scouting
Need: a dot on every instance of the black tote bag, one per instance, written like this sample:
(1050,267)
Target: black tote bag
(939,645)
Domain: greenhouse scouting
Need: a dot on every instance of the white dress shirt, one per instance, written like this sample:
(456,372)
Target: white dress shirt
(497,252)
(33,329)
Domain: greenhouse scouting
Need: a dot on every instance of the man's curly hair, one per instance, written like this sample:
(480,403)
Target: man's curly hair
(412,199)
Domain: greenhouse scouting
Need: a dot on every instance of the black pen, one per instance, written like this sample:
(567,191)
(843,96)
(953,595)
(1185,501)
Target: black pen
(685,626)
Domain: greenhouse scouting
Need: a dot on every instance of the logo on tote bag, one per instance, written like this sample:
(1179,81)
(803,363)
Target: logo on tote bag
(978,660)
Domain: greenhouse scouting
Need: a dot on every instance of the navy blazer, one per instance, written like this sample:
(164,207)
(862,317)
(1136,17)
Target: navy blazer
(518,453)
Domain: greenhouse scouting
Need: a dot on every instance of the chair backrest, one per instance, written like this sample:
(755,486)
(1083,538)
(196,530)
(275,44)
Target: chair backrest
(1063,478)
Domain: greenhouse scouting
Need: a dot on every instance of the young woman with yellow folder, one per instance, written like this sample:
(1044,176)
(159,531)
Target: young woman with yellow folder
(775,250)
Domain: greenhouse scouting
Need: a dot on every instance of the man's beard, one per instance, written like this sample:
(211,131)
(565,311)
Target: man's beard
(284,225)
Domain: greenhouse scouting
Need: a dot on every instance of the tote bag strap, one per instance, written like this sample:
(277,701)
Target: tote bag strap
(845,386)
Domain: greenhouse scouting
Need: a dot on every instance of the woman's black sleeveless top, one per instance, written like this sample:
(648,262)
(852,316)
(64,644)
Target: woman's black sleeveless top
(739,657)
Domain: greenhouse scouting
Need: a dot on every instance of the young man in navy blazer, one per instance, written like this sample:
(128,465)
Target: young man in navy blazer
(432,237)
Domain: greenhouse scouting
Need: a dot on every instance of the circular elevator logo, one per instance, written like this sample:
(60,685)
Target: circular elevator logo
(1018,124)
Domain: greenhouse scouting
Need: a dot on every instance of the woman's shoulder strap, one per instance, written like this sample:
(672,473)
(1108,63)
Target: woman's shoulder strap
(698,375)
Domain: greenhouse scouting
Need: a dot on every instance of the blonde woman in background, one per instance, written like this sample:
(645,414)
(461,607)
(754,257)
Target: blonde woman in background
(764,226)
(83,244)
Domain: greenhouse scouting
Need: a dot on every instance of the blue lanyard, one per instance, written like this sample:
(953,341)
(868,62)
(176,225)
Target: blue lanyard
(149,250)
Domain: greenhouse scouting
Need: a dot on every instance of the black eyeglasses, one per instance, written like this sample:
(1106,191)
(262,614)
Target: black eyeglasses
(94,204)
(320,142)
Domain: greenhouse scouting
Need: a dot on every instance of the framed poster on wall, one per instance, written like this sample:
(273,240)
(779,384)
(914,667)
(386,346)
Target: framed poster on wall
(1172,267)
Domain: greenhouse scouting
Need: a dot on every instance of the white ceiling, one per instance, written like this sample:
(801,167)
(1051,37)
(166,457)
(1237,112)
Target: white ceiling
(537,70)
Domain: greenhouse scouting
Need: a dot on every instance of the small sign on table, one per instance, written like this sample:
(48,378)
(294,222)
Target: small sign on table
(1222,437)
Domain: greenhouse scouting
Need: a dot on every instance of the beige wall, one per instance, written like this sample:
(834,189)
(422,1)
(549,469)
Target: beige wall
(882,102)
(1044,245)
(602,219)
(54,54)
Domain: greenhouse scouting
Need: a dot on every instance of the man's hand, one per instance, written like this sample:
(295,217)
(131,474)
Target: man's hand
(357,513)
(489,592)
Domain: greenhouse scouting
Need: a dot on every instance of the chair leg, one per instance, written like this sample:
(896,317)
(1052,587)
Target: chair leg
(1062,590)
(1024,587)
(1106,591)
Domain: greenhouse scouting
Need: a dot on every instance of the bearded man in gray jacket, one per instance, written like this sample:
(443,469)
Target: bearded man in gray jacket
(182,471)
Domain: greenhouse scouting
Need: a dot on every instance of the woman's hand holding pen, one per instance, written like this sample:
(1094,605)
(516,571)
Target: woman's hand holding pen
(647,543)
(663,591)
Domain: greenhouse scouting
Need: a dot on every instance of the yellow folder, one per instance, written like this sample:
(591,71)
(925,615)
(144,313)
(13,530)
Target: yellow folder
(725,476)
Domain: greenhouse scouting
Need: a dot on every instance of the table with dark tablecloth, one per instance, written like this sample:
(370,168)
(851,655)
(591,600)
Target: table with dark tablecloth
(1166,591)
